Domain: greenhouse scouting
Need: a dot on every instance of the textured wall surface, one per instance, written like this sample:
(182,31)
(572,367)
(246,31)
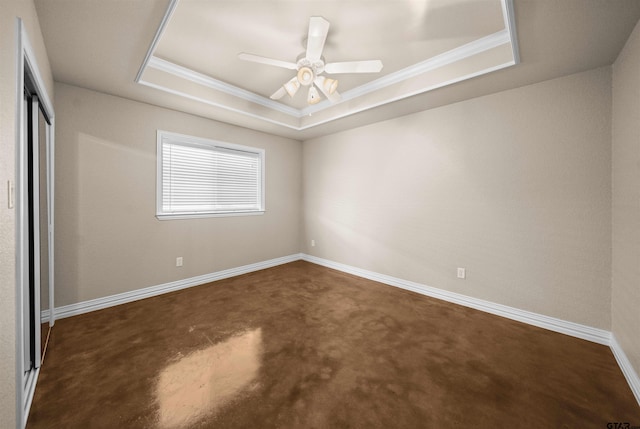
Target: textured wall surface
(108,238)
(626,200)
(514,186)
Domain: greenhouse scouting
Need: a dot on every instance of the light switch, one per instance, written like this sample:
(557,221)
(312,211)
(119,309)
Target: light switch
(10,193)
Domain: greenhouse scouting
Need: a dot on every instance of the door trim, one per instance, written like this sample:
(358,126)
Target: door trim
(26,63)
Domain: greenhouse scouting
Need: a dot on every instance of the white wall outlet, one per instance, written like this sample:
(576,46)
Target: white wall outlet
(462,273)
(179,261)
(313,243)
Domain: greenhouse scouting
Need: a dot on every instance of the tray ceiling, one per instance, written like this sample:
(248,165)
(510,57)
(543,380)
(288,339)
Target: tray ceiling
(428,46)
(195,52)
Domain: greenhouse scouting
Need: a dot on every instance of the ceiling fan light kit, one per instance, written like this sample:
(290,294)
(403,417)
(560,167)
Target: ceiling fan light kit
(330,85)
(305,76)
(313,97)
(310,66)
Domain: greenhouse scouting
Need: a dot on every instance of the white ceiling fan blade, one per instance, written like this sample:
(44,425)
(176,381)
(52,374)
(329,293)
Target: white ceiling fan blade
(319,81)
(371,66)
(278,94)
(269,61)
(318,29)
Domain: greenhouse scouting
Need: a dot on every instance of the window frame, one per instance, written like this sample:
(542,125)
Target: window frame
(200,141)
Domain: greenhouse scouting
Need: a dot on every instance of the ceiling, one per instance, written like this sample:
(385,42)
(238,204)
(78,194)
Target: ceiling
(182,54)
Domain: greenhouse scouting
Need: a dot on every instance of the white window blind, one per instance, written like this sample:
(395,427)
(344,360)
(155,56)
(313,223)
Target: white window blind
(199,177)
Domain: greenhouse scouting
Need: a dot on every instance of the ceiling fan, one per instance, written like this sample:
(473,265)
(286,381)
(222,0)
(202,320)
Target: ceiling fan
(311,65)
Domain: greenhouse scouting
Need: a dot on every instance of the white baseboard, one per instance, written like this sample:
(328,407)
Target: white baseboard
(577,330)
(584,332)
(122,298)
(558,325)
(627,369)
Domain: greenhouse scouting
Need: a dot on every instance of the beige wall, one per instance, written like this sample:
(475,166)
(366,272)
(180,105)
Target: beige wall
(9,10)
(108,239)
(625,317)
(515,187)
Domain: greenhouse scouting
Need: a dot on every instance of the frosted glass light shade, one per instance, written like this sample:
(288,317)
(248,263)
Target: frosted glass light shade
(330,85)
(305,76)
(313,97)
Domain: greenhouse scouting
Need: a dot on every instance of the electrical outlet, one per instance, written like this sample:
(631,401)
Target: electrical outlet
(179,261)
(313,243)
(462,273)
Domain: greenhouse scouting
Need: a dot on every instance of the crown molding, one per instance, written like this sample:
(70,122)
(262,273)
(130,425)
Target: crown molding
(156,38)
(215,104)
(454,55)
(210,82)
(409,94)
(502,37)
(509,15)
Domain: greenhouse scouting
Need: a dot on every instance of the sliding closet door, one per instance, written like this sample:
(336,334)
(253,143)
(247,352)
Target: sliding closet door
(31,294)
(34,216)
(44,226)
(27,307)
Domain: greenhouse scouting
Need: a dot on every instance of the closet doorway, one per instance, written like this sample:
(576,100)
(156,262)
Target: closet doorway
(34,192)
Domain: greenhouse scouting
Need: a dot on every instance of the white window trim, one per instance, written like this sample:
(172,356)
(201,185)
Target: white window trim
(202,141)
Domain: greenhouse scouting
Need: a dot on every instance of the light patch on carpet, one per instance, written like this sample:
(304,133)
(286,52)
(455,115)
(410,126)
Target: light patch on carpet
(200,383)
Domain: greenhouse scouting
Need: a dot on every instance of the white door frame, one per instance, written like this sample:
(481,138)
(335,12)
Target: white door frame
(26,63)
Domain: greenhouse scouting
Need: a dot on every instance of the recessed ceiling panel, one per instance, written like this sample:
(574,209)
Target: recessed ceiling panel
(199,42)
(101,45)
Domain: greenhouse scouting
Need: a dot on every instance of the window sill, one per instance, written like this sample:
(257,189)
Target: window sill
(174,216)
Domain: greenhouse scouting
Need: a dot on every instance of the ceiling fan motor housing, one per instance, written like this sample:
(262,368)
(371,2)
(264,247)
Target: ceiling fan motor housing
(307,70)
(311,64)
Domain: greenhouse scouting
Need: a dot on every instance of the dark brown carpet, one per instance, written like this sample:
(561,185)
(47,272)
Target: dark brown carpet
(303,346)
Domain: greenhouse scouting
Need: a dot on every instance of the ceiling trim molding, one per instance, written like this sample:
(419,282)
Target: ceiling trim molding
(214,104)
(509,14)
(213,83)
(457,54)
(400,97)
(502,37)
(351,112)
(454,55)
(156,38)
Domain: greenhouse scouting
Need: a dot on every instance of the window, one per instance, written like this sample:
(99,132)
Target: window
(201,178)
